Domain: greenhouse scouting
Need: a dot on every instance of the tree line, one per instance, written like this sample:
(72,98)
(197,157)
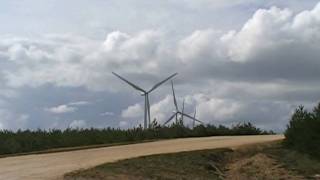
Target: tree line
(303,131)
(22,141)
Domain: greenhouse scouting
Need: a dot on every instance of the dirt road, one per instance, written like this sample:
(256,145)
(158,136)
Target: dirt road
(54,165)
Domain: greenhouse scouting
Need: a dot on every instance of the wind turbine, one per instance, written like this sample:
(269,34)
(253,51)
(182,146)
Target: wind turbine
(145,93)
(177,112)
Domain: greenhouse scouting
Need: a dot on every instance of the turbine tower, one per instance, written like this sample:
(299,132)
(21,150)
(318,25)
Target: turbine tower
(147,119)
(177,112)
(194,116)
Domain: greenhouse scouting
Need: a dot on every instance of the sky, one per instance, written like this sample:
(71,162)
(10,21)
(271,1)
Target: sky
(237,61)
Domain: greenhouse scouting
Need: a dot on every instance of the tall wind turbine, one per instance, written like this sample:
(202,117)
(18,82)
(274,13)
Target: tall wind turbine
(177,112)
(147,119)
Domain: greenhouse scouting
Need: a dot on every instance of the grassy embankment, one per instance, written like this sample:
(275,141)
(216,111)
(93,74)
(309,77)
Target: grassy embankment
(263,161)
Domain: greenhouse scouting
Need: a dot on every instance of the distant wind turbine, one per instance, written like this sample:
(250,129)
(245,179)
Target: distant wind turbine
(178,112)
(147,118)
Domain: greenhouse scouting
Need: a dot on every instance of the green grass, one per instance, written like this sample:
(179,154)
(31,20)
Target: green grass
(204,164)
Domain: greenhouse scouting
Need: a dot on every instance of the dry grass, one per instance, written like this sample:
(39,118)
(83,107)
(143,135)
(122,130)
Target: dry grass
(259,167)
(255,162)
(204,164)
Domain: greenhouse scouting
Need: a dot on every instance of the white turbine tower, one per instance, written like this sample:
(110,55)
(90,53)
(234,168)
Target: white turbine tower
(177,112)
(147,119)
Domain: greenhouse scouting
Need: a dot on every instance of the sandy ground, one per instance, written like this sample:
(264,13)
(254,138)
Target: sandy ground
(55,165)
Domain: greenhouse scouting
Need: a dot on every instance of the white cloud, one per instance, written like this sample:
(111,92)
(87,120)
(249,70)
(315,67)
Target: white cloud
(84,62)
(208,109)
(123,124)
(217,109)
(61,109)
(133,111)
(79,103)
(275,29)
(67,108)
(201,43)
(163,109)
(11,120)
(114,40)
(267,28)
(266,37)
(107,113)
(213,110)
(78,124)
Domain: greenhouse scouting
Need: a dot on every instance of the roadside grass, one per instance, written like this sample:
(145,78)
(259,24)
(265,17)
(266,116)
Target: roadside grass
(260,161)
(271,161)
(204,164)
(292,160)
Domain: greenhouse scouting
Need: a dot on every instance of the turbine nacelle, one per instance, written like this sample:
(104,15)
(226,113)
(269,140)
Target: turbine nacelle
(143,94)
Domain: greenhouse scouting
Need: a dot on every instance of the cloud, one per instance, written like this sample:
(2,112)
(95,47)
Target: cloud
(123,124)
(208,109)
(260,32)
(107,113)
(13,121)
(270,63)
(77,124)
(61,109)
(133,111)
(162,109)
(211,110)
(79,103)
(217,109)
(84,62)
(260,49)
(201,43)
(67,108)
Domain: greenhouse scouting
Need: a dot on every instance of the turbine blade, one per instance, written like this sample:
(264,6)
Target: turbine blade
(174,97)
(161,82)
(170,119)
(130,83)
(193,118)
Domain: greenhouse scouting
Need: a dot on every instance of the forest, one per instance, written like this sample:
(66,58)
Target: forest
(23,141)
